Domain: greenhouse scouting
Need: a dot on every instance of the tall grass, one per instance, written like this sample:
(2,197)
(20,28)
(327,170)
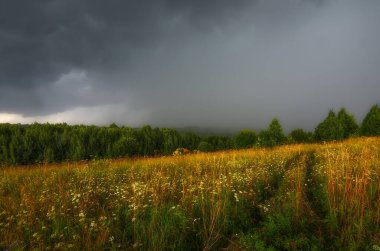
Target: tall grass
(300,197)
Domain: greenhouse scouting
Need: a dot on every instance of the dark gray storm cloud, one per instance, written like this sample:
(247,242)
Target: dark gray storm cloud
(174,63)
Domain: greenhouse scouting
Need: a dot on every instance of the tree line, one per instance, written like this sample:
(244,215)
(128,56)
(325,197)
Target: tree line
(46,143)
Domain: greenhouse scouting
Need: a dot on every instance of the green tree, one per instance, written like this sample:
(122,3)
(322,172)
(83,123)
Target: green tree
(114,126)
(151,140)
(274,135)
(329,129)
(300,136)
(245,138)
(5,138)
(125,146)
(204,146)
(48,155)
(16,147)
(219,142)
(371,122)
(348,122)
(172,140)
(4,158)
(190,140)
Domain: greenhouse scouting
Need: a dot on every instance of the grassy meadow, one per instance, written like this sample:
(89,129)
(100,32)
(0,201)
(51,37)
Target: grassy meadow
(296,197)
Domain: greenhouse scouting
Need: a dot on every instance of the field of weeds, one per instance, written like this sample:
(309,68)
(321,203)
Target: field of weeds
(299,197)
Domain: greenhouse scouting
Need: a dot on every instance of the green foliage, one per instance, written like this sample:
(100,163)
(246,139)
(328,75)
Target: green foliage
(348,122)
(300,136)
(371,122)
(47,143)
(151,140)
(172,140)
(273,136)
(204,146)
(245,138)
(125,146)
(190,140)
(330,129)
(219,142)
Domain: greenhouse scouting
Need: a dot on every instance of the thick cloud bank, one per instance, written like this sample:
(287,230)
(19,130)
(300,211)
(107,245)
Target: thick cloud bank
(188,63)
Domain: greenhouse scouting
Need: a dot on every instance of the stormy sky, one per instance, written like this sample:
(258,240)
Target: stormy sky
(176,63)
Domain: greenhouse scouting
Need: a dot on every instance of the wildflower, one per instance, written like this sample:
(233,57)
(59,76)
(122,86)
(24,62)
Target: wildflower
(236,197)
